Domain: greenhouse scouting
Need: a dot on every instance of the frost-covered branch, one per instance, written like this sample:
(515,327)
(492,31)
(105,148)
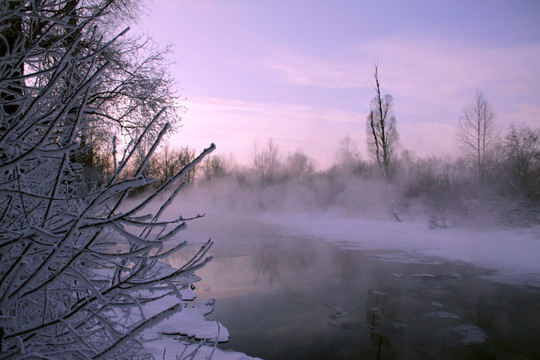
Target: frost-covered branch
(82,272)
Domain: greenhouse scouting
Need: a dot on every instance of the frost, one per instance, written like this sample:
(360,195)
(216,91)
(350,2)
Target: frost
(82,270)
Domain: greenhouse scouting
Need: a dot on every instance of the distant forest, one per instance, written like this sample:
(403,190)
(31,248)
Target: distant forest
(446,191)
(496,180)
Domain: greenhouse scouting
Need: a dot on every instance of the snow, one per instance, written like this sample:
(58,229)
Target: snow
(513,253)
(471,334)
(166,340)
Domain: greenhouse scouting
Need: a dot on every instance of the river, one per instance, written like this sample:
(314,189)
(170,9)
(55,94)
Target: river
(299,297)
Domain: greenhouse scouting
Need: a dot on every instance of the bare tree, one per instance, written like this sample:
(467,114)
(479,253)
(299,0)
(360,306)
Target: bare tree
(214,166)
(476,131)
(347,154)
(184,157)
(266,163)
(523,157)
(298,165)
(382,135)
(163,165)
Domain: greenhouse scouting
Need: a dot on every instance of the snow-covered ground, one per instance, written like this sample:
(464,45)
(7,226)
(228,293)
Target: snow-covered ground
(513,253)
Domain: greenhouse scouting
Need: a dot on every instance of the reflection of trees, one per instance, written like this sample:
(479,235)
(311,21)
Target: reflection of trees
(347,264)
(266,263)
(302,259)
(379,317)
(270,260)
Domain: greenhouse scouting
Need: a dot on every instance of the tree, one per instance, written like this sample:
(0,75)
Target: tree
(80,269)
(347,154)
(476,131)
(298,165)
(163,165)
(266,163)
(382,135)
(214,166)
(133,85)
(185,156)
(523,157)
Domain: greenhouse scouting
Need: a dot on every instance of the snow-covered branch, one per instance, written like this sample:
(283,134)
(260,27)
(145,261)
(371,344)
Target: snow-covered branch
(82,272)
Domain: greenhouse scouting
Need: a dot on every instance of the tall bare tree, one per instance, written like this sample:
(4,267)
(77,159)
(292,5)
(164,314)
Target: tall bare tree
(476,131)
(382,135)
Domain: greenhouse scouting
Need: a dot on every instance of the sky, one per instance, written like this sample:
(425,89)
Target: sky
(301,72)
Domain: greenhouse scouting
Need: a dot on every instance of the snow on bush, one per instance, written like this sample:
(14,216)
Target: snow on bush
(81,276)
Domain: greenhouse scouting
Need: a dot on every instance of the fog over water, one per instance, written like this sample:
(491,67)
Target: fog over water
(300,273)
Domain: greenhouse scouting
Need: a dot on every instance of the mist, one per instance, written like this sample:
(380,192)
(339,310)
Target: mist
(322,256)
(323,251)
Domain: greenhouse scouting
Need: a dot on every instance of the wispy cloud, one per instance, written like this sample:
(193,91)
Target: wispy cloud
(430,78)
(417,70)
(306,69)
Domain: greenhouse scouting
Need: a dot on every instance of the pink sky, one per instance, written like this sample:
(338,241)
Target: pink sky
(301,72)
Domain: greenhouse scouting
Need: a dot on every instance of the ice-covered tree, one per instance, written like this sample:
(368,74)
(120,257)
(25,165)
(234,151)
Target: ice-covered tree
(82,271)
(133,86)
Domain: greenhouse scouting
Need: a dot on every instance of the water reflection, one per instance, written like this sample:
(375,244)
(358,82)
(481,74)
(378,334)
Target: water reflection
(300,298)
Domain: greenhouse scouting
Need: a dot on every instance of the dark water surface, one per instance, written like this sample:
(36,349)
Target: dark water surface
(286,297)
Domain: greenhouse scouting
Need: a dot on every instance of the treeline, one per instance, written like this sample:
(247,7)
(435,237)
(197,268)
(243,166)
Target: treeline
(443,189)
(512,167)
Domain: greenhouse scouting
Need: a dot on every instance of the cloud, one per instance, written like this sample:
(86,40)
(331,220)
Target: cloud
(431,80)
(428,139)
(305,69)
(418,70)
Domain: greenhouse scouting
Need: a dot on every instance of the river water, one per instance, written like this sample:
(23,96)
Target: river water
(293,297)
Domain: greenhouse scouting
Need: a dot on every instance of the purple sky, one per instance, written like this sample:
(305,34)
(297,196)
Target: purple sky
(301,72)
